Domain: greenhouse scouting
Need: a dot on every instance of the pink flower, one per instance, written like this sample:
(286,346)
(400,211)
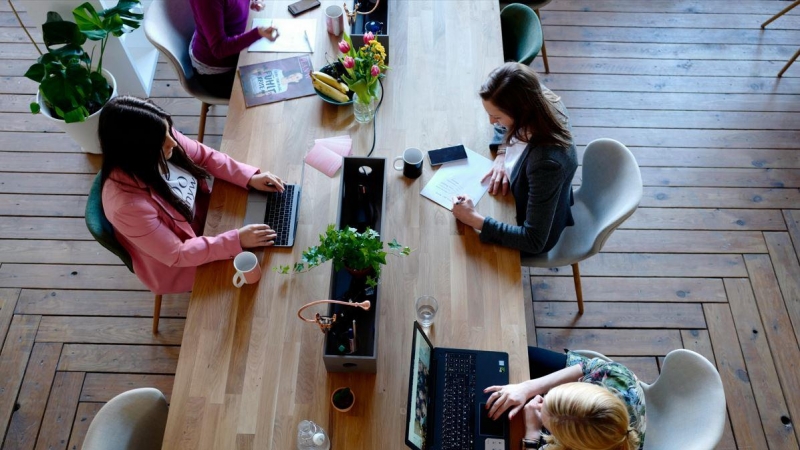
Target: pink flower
(344,47)
(349,62)
(375,71)
(369,37)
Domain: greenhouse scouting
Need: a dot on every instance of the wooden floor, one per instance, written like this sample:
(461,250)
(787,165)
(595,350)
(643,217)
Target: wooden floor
(709,262)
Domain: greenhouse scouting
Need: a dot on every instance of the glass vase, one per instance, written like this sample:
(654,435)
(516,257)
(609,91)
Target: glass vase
(365,110)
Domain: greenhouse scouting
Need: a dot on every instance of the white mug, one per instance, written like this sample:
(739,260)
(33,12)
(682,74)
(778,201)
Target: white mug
(334,20)
(247,269)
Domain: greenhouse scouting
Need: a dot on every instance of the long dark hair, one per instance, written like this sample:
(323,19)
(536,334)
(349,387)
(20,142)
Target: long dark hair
(515,89)
(132,133)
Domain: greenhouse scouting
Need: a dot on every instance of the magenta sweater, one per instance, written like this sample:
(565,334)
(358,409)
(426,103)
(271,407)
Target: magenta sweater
(220,34)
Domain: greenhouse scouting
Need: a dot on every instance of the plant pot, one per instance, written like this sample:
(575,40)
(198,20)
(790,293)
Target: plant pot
(342,407)
(84,133)
(359,273)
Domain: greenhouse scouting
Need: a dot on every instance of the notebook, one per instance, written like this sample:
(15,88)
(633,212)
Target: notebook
(446,404)
(278,210)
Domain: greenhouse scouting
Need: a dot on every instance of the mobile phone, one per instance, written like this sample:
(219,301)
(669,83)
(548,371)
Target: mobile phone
(447,154)
(302,6)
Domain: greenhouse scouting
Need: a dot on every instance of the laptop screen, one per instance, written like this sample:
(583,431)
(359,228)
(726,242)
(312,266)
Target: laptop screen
(419,390)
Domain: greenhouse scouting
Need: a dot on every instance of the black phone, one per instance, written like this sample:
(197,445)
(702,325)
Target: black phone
(302,6)
(447,154)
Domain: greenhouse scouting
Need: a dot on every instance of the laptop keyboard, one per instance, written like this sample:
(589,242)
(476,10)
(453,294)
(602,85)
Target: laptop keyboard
(459,402)
(279,213)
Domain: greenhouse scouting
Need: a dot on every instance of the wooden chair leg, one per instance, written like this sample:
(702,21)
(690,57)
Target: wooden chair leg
(785,10)
(796,54)
(156,313)
(203,113)
(576,277)
(544,48)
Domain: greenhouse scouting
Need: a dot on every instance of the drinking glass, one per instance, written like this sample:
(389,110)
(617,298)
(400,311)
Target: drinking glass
(426,310)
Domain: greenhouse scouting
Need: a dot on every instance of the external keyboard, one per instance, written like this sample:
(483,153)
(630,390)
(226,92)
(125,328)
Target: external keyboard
(458,407)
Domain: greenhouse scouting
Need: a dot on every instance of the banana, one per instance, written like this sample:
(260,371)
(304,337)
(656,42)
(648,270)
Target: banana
(329,91)
(330,81)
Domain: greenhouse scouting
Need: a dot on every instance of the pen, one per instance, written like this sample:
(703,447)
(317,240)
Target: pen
(305,35)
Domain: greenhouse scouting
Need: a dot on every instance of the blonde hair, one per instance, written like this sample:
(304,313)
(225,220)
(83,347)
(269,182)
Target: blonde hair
(584,416)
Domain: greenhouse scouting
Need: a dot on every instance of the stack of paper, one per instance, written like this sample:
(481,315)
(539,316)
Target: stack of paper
(326,155)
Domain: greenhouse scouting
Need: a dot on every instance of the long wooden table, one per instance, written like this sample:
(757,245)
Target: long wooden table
(249,369)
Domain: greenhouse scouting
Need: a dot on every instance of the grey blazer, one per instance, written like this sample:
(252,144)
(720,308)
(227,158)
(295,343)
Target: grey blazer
(541,184)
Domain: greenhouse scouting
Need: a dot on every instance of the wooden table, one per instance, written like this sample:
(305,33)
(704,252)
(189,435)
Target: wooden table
(249,369)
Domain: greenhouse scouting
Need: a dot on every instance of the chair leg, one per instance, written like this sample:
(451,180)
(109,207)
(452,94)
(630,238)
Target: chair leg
(785,10)
(156,313)
(796,54)
(544,48)
(576,277)
(203,113)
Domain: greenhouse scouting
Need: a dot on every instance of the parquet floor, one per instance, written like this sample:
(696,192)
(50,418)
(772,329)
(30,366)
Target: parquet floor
(709,262)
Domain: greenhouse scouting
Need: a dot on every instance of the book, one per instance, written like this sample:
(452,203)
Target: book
(275,81)
(294,35)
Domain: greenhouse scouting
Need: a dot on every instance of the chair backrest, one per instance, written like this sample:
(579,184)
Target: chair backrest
(133,420)
(522,33)
(685,407)
(169,25)
(99,226)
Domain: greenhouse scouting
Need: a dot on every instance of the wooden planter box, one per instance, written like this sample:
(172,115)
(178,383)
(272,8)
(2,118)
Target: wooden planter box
(344,286)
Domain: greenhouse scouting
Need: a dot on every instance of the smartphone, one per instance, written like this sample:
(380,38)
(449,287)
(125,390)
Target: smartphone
(302,6)
(447,154)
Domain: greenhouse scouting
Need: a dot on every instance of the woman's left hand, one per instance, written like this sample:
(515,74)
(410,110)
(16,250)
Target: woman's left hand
(257,5)
(533,417)
(266,181)
(464,210)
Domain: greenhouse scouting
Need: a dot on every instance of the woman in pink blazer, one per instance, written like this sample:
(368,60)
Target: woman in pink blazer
(155,193)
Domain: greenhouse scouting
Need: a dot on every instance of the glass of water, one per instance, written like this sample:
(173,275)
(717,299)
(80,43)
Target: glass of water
(426,310)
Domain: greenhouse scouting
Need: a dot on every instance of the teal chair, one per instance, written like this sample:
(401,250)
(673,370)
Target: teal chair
(522,33)
(102,231)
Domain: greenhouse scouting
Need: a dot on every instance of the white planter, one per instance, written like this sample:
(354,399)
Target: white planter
(84,133)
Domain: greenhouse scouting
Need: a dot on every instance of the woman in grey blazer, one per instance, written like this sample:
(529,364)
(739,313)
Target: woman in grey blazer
(535,160)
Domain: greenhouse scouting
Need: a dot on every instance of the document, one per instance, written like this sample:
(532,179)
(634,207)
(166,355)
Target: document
(457,178)
(295,36)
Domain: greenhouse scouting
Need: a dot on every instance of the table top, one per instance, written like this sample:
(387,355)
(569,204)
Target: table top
(249,370)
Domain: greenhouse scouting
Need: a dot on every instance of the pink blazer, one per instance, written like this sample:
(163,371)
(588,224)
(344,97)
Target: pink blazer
(164,248)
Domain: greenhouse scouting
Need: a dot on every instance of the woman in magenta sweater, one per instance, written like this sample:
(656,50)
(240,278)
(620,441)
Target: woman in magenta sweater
(219,36)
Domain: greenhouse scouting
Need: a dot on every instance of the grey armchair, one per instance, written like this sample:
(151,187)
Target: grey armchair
(133,420)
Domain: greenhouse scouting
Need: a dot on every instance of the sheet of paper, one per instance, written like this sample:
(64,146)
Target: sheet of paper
(292,37)
(326,155)
(457,178)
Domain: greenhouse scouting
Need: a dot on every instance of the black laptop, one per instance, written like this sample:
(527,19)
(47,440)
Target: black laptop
(278,210)
(446,403)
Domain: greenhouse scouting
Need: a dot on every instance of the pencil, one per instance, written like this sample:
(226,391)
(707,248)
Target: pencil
(305,35)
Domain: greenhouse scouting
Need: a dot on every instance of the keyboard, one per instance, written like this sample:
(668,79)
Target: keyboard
(458,406)
(279,213)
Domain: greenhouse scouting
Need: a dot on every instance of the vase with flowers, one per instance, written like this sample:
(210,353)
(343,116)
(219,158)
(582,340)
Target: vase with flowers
(364,68)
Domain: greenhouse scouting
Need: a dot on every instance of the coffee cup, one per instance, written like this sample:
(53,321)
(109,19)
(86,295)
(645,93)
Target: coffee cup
(411,163)
(334,19)
(248,271)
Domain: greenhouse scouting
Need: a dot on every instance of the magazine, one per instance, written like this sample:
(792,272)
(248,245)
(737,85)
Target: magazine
(275,81)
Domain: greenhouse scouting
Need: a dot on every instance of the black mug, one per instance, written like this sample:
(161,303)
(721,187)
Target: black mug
(412,162)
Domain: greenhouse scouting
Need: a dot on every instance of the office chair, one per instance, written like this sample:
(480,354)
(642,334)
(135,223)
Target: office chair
(797,53)
(522,33)
(535,5)
(102,231)
(169,26)
(610,192)
(685,407)
(133,420)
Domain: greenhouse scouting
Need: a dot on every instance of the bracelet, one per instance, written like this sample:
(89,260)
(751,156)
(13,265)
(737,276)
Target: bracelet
(500,151)
(529,443)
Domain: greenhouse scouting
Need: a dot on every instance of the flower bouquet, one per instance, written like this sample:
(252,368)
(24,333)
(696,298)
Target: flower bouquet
(363,68)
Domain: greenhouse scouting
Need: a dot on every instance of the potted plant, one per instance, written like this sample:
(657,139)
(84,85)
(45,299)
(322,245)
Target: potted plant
(343,399)
(361,254)
(71,90)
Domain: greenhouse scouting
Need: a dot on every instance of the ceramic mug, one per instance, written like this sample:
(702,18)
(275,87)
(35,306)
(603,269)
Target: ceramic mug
(334,20)
(412,162)
(248,271)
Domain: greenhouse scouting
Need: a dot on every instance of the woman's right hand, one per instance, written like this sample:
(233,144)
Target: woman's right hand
(499,181)
(510,396)
(271,33)
(256,235)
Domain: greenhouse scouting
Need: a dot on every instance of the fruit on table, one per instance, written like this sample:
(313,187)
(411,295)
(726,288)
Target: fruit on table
(329,91)
(330,81)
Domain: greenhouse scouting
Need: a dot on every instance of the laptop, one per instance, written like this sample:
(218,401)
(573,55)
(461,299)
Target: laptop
(278,210)
(446,404)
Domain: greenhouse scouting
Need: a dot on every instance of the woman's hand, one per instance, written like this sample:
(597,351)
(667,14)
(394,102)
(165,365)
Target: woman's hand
(499,181)
(266,181)
(256,235)
(533,418)
(256,5)
(464,210)
(271,33)
(510,396)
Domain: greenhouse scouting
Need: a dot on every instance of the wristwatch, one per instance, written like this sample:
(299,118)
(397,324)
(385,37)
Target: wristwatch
(530,443)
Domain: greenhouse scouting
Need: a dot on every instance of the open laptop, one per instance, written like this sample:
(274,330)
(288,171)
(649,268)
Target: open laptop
(446,403)
(278,210)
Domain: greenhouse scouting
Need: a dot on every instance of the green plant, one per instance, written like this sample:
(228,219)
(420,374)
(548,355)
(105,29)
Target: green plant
(70,87)
(348,248)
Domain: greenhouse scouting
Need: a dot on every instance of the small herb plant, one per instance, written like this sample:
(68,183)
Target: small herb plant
(70,87)
(348,248)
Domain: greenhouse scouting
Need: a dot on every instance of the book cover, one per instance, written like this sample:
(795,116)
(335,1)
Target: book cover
(275,81)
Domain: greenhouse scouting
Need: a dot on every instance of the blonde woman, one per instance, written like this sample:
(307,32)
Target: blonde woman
(581,403)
